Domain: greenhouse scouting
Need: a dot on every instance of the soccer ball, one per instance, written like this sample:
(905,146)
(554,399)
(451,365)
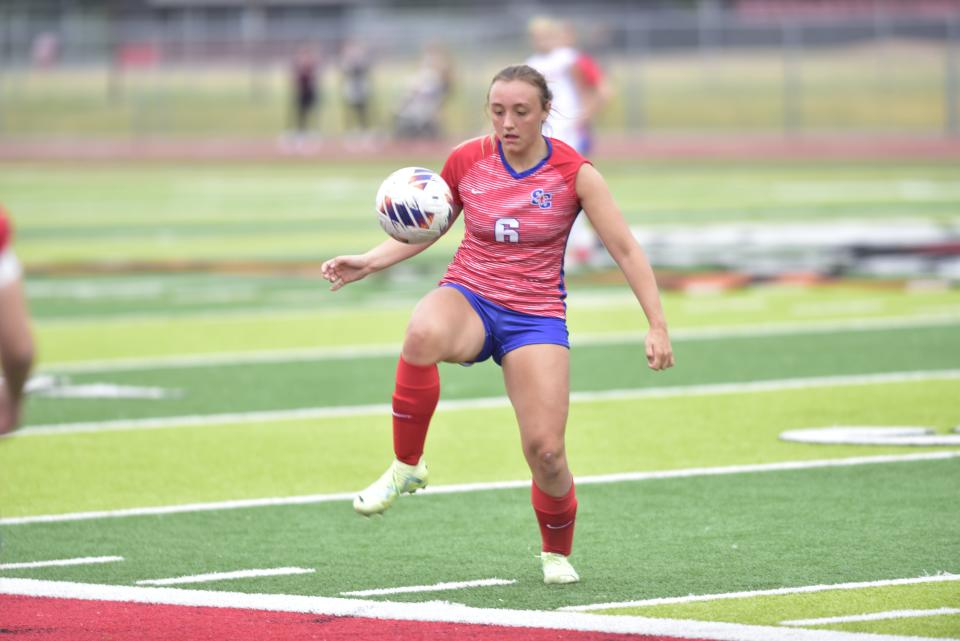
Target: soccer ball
(414,205)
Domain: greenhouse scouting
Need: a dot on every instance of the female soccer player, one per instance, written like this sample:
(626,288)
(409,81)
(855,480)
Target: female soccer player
(16,343)
(503,296)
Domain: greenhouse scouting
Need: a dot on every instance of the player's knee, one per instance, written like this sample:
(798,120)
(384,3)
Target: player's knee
(19,355)
(548,459)
(423,343)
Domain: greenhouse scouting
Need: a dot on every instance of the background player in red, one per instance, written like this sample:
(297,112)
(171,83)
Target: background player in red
(584,248)
(16,342)
(594,90)
(503,296)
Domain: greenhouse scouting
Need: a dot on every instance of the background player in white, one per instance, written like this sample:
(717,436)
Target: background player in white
(503,295)
(593,88)
(557,62)
(16,342)
(579,92)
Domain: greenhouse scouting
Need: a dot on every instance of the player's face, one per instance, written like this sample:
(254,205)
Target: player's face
(517,114)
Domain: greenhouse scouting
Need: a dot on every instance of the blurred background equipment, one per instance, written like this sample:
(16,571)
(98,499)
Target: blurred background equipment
(419,112)
(161,67)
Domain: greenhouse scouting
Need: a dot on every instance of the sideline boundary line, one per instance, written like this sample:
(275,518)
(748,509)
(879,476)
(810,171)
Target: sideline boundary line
(585,339)
(227,576)
(202,420)
(693,598)
(875,616)
(86,560)
(479,487)
(436,587)
(432,611)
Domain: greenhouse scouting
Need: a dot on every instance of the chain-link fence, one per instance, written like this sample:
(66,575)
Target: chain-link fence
(185,70)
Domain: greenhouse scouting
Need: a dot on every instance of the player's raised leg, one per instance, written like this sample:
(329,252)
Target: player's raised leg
(443,327)
(538,382)
(16,341)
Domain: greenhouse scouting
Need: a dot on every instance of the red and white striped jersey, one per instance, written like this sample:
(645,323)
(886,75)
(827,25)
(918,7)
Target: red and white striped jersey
(5,230)
(516,224)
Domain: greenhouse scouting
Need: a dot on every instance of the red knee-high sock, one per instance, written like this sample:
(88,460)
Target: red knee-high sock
(556,515)
(414,399)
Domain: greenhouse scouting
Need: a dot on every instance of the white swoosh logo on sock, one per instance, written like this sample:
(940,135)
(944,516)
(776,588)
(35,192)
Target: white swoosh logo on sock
(399,415)
(560,527)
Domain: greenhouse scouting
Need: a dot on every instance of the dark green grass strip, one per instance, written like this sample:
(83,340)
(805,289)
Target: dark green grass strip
(634,540)
(94,298)
(360,381)
(140,232)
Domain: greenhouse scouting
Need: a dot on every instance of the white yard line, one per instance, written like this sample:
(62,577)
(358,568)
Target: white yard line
(308,311)
(483,487)
(778,329)
(436,587)
(201,420)
(871,435)
(227,358)
(86,560)
(226,576)
(693,598)
(434,611)
(585,338)
(875,616)
(311,413)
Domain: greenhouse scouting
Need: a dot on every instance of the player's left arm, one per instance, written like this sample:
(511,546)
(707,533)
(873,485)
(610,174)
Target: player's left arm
(605,216)
(592,86)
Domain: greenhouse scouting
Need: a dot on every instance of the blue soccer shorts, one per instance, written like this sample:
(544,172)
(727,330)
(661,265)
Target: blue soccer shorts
(506,330)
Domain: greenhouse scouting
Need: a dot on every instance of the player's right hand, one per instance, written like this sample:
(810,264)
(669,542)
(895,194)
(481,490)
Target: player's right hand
(344,269)
(659,351)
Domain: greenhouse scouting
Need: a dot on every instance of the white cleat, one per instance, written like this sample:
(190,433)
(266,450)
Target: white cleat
(557,569)
(399,478)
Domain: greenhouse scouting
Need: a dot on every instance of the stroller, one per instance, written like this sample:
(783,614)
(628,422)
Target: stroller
(418,115)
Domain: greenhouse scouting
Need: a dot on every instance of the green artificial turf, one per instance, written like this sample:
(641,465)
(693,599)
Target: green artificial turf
(359,380)
(774,609)
(634,540)
(143,467)
(108,213)
(109,318)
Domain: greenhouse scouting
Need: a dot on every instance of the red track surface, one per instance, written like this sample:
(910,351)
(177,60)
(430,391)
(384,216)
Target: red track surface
(78,620)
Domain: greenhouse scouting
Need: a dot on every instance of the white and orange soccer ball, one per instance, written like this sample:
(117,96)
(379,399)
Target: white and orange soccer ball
(414,205)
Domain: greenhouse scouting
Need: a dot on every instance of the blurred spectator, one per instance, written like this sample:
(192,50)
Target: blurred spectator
(16,342)
(579,92)
(45,50)
(556,62)
(307,94)
(418,114)
(592,87)
(355,86)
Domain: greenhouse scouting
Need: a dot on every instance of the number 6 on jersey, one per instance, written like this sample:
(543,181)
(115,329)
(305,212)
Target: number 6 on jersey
(505,230)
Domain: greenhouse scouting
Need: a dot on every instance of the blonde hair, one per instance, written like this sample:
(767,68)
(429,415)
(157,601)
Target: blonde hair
(541,23)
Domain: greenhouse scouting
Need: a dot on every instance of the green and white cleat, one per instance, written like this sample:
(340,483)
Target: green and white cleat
(557,569)
(399,478)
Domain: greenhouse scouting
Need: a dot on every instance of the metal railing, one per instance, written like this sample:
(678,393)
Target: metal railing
(193,72)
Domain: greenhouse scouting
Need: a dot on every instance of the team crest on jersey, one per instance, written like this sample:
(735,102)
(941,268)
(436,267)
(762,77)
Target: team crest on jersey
(541,199)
